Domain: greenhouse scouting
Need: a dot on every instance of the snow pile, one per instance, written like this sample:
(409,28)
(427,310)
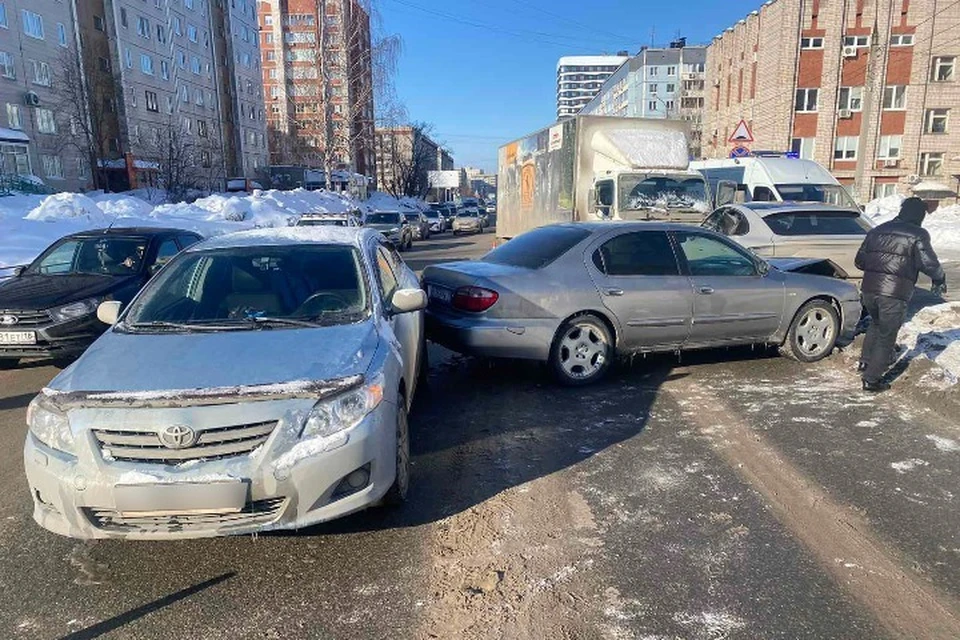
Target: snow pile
(883,209)
(261,208)
(121,205)
(380,201)
(68,206)
(934,333)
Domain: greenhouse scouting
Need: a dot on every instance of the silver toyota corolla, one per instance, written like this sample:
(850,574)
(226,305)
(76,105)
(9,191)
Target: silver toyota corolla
(576,295)
(260,381)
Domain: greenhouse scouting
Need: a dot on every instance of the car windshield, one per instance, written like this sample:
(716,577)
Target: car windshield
(818,223)
(249,287)
(638,192)
(107,255)
(323,222)
(412,217)
(825,193)
(537,248)
(433,214)
(469,202)
(467,214)
(383,218)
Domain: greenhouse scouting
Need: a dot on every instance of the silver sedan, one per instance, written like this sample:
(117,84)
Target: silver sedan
(577,295)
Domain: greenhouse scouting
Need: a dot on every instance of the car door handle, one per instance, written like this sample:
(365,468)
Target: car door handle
(705,290)
(613,292)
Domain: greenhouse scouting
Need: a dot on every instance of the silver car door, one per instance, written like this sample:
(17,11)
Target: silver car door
(403,326)
(639,280)
(733,300)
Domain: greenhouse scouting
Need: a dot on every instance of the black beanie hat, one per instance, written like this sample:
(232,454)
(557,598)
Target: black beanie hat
(913,210)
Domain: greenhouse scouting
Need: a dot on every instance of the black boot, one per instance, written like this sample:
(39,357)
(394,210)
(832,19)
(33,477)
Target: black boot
(876,387)
(861,367)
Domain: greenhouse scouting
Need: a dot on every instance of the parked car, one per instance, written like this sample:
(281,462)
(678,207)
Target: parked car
(393,225)
(327,220)
(48,309)
(437,217)
(419,223)
(261,381)
(575,295)
(467,221)
(787,229)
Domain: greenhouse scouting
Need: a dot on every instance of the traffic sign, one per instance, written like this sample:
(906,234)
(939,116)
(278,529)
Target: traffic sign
(741,133)
(739,152)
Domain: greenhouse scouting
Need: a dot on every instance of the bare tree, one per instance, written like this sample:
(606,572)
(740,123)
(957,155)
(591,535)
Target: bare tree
(410,155)
(183,159)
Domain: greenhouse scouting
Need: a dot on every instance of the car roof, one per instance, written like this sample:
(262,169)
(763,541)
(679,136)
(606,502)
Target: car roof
(289,236)
(769,208)
(594,227)
(130,231)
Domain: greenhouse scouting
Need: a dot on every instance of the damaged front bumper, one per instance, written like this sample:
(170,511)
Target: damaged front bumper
(110,490)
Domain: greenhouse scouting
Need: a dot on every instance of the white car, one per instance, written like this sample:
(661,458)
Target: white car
(327,220)
(795,229)
(260,381)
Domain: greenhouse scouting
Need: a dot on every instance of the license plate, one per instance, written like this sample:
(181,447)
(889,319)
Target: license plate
(439,293)
(180,498)
(18,337)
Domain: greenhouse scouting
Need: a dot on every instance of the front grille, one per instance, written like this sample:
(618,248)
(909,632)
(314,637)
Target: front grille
(259,512)
(26,318)
(212,444)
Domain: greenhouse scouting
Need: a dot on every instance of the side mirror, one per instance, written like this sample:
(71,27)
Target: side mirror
(19,271)
(726,192)
(108,312)
(407,300)
(763,268)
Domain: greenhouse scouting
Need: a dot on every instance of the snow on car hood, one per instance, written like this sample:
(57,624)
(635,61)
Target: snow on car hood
(141,363)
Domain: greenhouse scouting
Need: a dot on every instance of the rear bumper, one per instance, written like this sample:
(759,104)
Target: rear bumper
(528,339)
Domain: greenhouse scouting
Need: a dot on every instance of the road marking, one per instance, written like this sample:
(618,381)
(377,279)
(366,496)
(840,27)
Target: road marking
(871,570)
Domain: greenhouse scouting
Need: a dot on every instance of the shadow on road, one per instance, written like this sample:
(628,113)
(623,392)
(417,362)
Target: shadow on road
(16,402)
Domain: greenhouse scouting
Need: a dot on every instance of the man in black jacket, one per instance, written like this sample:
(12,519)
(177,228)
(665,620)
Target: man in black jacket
(892,257)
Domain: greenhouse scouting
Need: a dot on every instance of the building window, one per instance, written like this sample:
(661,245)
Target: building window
(61,34)
(177,27)
(198,97)
(803,147)
(143,27)
(104,64)
(936,121)
(671,71)
(192,33)
(52,167)
(41,73)
(890,147)
(671,88)
(98,21)
(901,40)
(128,58)
(7,69)
(806,100)
(654,88)
(14,118)
(931,164)
(851,98)
(161,34)
(146,64)
(845,147)
(150,101)
(856,41)
(32,24)
(184,94)
(189,4)
(895,97)
(202,128)
(170,102)
(268,38)
(164,70)
(884,189)
(181,59)
(3,15)
(943,69)
(652,105)
(271,56)
(123,18)
(811,43)
(46,123)
(82,169)
(653,71)
(195,65)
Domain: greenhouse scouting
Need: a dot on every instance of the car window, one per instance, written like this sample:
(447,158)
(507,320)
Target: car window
(187,240)
(709,256)
(385,275)
(817,223)
(60,260)
(537,248)
(111,255)
(168,249)
(646,253)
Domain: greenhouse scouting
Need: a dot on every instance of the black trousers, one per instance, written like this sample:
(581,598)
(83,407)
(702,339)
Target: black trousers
(886,317)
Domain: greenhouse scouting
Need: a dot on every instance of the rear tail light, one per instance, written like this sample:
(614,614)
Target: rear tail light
(474,299)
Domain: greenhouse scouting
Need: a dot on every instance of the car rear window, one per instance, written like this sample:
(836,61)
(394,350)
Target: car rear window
(817,223)
(537,248)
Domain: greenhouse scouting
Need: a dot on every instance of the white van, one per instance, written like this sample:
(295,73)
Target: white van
(771,179)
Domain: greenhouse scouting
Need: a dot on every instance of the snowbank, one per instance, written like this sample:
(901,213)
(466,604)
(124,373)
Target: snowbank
(934,333)
(379,201)
(943,224)
(30,223)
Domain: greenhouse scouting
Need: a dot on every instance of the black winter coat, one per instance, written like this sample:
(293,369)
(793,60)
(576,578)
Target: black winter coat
(892,257)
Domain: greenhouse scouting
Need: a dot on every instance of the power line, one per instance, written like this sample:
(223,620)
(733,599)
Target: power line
(569,21)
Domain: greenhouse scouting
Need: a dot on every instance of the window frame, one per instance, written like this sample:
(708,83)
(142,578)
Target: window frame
(885,155)
(602,266)
(895,89)
(806,101)
(938,62)
(845,150)
(730,244)
(850,97)
(931,115)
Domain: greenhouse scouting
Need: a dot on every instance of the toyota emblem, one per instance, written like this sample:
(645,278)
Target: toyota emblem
(9,321)
(178,436)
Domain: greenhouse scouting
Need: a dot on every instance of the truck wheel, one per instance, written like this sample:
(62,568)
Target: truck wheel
(813,333)
(582,351)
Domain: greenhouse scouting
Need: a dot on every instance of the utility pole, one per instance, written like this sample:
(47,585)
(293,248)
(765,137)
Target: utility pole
(872,87)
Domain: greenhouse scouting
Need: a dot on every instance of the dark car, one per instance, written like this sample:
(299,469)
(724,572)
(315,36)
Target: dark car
(49,308)
(419,223)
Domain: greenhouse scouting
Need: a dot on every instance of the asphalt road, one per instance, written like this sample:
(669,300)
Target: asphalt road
(728,494)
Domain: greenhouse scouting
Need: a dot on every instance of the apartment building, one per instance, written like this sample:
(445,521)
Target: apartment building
(404,156)
(318,83)
(579,78)
(658,83)
(36,36)
(869,89)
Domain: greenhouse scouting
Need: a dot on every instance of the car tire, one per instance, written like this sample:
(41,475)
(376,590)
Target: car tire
(582,351)
(397,493)
(813,332)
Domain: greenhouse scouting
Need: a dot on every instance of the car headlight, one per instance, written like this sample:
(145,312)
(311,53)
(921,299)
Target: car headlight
(344,411)
(75,309)
(49,424)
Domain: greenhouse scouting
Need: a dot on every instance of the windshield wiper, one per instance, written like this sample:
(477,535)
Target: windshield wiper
(183,326)
(290,322)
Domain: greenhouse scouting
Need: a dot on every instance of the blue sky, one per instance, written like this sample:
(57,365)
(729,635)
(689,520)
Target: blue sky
(484,71)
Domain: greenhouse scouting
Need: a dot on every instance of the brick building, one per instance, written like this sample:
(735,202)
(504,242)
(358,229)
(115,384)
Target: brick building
(318,83)
(868,88)
(404,157)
